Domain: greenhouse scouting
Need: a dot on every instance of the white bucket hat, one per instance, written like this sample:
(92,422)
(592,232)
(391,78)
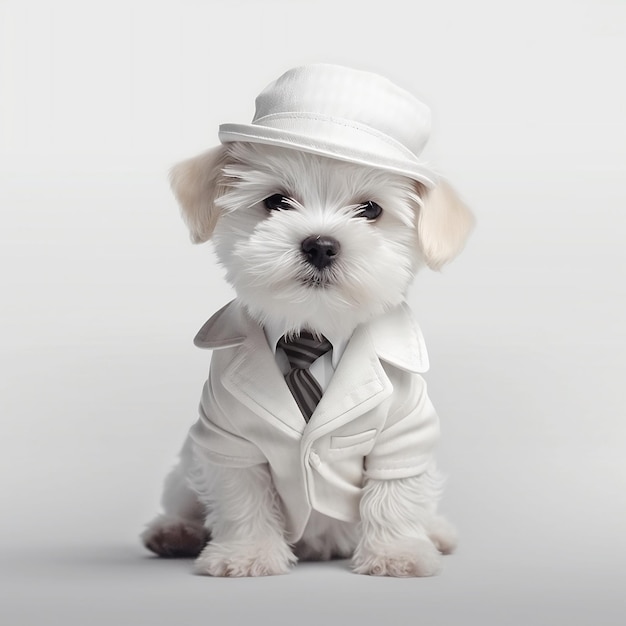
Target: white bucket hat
(341,113)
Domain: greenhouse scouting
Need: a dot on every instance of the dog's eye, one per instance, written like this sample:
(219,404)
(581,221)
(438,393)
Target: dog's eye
(276,202)
(369,210)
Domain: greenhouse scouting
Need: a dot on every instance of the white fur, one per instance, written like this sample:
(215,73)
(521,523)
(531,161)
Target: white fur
(221,194)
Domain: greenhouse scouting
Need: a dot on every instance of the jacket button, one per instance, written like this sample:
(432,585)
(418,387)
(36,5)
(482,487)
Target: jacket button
(314,459)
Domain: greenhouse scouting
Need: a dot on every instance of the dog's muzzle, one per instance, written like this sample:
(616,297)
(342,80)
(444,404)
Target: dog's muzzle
(320,250)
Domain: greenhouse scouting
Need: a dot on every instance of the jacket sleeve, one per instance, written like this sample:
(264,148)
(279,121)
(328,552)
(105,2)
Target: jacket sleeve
(214,434)
(406,445)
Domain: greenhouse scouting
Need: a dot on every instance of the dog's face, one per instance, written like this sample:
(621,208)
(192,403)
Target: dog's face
(313,242)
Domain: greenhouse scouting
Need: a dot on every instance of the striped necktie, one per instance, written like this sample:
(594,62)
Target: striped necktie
(301,352)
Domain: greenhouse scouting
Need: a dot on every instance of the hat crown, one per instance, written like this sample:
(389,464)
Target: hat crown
(349,96)
(344,114)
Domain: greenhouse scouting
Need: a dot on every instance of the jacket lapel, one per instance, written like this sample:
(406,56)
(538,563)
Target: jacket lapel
(252,375)
(360,382)
(358,385)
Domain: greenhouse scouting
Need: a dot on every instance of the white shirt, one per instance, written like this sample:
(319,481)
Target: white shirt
(322,369)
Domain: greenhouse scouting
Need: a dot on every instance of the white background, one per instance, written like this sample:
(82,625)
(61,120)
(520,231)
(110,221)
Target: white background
(101,294)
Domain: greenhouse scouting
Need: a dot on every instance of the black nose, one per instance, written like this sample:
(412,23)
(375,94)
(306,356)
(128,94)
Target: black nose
(320,251)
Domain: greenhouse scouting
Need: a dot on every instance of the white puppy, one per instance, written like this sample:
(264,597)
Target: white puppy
(326,246)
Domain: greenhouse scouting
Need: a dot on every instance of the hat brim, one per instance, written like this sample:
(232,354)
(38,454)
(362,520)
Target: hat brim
(348,143)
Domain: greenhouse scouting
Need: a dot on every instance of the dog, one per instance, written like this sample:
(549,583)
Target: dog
(321,213)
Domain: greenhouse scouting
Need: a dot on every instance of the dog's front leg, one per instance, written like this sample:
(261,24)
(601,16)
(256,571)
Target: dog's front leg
(401,534)
(245,522)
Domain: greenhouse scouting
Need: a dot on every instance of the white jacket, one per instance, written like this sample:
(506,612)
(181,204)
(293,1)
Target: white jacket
(374,420)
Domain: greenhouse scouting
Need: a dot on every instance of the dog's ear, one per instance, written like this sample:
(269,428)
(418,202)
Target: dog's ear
(444,223)
(197,183)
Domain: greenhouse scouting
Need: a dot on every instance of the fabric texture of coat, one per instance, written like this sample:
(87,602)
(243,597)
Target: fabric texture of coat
(374,420)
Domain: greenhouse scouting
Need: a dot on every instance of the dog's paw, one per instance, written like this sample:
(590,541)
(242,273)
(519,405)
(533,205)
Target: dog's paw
(414,557)
(174,537)
(441,532)
(235,559)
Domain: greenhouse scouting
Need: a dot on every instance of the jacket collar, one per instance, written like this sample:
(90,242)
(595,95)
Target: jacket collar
(358,385)
(396,337)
